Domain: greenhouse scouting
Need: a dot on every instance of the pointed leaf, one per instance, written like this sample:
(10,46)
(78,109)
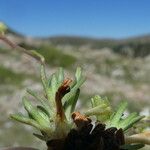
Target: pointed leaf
(60,76)
(41,111)
(133,121)
(118,114)
(78,73)
(44,78)
(44,102)
(69,105)
(26,120)
(73,90)
(54,84)
(34,113)
(40,137)
(126,121)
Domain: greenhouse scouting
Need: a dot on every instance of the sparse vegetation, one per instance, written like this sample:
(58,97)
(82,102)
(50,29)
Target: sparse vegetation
(55,57)
(10,77)
(4,51)
(7,76)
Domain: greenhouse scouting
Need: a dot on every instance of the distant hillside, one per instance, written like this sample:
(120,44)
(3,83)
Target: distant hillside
(134,47)
(80,41)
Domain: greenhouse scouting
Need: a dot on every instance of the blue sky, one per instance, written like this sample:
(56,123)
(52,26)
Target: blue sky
(93,18)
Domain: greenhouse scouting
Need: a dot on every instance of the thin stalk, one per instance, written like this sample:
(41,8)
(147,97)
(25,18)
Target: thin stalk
(31,53)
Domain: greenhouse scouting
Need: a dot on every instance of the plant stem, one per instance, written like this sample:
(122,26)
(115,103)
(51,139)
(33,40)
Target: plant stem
(63,89)
(143,138)
(31,53)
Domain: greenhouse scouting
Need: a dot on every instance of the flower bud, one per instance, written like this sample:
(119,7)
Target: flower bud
(3,28)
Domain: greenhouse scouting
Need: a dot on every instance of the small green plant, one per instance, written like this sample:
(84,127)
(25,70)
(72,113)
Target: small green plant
(56,115)
(62,126)
(53,116)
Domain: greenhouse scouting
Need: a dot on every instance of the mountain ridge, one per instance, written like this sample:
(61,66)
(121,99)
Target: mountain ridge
(136,37)
(138,46)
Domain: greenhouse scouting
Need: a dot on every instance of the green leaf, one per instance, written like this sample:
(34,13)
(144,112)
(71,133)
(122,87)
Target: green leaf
(100,108)
(54,86)
(26,120)
(34,113)
(41,111)
(60,76)
(44,110)
(117,121)
(96,101)
(41,137)
(79,83)
(117,116)
(44,102)
(132,147)
(44,79)
(78,73)
(73,90)
(69,105)
(124,122)
(78,78)
(133,121)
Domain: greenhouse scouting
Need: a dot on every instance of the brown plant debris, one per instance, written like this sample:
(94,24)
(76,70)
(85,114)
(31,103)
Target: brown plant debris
(88,138)
(80,120)
(63,89)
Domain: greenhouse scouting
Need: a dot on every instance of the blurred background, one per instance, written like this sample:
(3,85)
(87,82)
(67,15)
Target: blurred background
(109,39)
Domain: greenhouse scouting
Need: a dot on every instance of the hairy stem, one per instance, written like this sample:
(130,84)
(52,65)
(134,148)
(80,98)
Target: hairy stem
(143,138)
